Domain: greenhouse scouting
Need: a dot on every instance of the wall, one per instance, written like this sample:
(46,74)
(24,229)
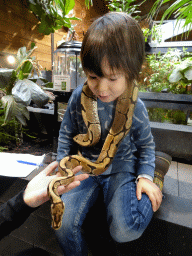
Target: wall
(18,28)
(87,16)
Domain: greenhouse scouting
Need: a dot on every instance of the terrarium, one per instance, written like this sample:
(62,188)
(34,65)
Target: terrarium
(67,68)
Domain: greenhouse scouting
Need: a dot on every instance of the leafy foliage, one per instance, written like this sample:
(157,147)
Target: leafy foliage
(14,109)
(181,9)
(155,33)
(127,6)
(52,14)
(167,116)
(25,65)
(182,71)
(159,70)
(7,134)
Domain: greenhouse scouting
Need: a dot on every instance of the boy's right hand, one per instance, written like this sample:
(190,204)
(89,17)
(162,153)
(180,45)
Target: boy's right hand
(154,193)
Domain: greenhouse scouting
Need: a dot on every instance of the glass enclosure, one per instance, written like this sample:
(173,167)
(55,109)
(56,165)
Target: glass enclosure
(67,68)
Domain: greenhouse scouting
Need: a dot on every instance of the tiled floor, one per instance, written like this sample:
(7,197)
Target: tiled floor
(178,180)
(177,205)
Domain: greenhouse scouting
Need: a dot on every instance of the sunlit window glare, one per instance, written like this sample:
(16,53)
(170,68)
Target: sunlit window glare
(11,59)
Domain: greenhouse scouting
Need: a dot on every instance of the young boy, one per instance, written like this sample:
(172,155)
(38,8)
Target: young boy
(112,55)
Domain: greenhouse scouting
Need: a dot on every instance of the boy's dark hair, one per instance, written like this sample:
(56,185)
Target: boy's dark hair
(118,38)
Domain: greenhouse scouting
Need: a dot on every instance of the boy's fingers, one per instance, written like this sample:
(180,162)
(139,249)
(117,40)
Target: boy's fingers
(138,193)
(154,206)
(156,202)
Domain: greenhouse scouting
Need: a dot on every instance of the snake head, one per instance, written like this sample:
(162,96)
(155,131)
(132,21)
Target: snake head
(57,210)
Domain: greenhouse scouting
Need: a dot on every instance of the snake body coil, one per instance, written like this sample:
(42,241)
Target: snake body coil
(119,129)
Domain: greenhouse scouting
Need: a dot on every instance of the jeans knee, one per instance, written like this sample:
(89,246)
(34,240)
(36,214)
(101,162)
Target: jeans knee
(124,236)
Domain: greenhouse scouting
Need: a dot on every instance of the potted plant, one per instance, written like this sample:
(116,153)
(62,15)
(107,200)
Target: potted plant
(181,9)
(169,112)
(20,89)
(156,72)
(52,15)
(183,73)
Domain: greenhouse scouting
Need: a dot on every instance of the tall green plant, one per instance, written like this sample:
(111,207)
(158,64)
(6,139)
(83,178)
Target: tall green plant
(127,6)
(25,65)
(7,134)
(181,9)
(182,72)
(160,70)
(52,14)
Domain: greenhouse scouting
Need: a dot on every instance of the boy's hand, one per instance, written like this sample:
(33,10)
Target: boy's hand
(154,193)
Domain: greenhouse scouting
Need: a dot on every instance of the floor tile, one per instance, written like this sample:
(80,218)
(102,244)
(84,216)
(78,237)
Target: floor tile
(176,210)
(185,180)
(173,170)
(171,185)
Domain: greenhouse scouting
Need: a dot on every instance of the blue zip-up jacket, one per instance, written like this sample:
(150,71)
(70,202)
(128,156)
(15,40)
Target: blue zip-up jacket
(136,152)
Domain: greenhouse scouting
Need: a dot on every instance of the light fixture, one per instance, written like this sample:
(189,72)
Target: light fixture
(11,59)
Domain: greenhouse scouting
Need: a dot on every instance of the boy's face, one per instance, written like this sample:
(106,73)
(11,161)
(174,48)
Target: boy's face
(109,87)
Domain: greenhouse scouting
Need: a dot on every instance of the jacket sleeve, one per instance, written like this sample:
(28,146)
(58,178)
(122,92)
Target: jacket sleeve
(143,141)
(13,213)
(69,127)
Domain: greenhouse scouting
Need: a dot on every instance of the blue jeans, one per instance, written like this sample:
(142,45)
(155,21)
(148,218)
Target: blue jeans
(126,216)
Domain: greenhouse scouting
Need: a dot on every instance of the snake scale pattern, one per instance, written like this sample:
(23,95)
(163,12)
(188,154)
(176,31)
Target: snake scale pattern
(121,126)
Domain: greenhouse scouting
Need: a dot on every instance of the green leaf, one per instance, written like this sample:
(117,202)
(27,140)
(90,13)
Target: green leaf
(69,5)
(46,30)
(22,56)
(52,14)
(88,3)
(26,69)
(175,76)
(14,109)
(48,85)
(188,74)
(20,75)
(46,25)
(11,82)
(182,9)
(127,6)
(32,45)
(5,77)
(36,8)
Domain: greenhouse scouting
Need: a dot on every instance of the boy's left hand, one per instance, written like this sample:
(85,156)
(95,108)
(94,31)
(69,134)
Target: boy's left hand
(154,193)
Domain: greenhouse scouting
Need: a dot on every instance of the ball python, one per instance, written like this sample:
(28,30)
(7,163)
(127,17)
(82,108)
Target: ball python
(120,127)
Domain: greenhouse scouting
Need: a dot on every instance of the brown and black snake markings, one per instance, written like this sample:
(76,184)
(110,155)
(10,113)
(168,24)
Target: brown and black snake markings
(119,129)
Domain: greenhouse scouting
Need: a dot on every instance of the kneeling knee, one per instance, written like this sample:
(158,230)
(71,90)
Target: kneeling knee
(123,236)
